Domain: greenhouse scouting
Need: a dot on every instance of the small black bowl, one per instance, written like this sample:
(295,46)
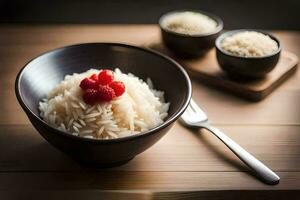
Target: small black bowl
(243,68)
(190,45)
(41,74)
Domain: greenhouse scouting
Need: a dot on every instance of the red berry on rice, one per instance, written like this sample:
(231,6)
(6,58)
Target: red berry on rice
(90,96)
(105,77)
(106,93)
(118,87)
(88,83)
(94,77)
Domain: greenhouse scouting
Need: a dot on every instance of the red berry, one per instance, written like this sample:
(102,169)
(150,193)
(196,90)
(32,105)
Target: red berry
(118,87)
(88,83)
(94,77)
(106,93)
(90,96)
(105,77)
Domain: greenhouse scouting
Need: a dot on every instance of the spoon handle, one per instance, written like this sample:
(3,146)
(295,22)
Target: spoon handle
(266,174)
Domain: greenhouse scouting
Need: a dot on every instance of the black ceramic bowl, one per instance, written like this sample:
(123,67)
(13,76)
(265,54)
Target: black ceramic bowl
(189,45)
(239,67)
(41,74)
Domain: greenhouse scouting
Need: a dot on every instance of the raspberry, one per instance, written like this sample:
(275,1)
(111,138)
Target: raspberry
(88,83)
(118,87)
(94,77)
(105,77)
(90,96)
(106,93)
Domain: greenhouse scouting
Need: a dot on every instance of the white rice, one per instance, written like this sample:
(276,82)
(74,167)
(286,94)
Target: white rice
(139,109)
(249,44)
(189,23)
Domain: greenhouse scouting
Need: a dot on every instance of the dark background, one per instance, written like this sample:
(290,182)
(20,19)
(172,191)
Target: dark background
(266,14)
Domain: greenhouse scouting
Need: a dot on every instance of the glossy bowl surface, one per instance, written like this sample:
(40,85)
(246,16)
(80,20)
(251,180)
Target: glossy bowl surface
(42,73)
(239,67)
(185,45)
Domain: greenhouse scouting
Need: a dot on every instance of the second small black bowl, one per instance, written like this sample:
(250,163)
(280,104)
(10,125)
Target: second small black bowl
(190,45)
(242,68)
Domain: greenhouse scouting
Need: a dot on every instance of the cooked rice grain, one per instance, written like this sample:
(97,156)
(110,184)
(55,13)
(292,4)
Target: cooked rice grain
(249,44)
(140,108)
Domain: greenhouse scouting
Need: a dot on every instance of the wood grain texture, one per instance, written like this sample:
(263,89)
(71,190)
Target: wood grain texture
(199,151)
(251,90)
(96,194)
(153,181)
(183,165)
(76,195)
(228,194)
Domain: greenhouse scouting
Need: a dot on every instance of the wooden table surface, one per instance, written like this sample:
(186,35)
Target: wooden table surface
(183,164)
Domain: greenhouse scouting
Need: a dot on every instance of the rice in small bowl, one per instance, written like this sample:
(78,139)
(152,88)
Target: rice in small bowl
(189,23)
(249,44)
(140,108)
(189,33)
(247,54)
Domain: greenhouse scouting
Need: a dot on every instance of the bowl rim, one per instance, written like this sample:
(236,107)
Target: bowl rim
(166,123)
(233,32)
(216,18)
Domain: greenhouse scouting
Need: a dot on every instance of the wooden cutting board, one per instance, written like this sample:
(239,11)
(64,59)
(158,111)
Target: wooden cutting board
(207,70)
